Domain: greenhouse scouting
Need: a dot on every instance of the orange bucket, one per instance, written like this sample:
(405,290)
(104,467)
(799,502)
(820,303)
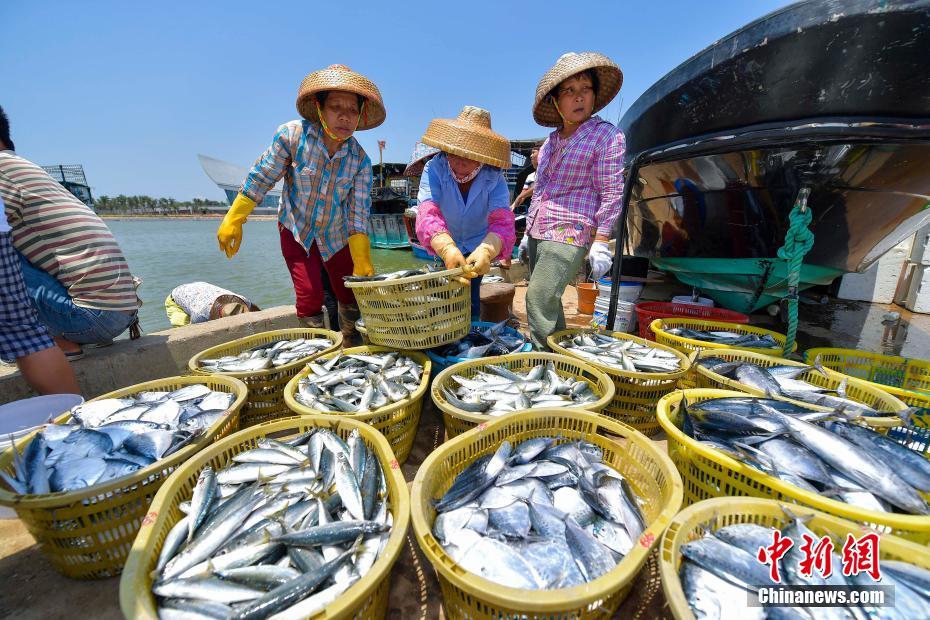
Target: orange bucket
(587,293)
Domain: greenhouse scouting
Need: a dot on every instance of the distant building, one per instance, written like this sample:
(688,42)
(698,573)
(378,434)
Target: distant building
(73,179)
(229,177)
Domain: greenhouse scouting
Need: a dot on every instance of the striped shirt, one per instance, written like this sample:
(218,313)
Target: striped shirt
(325,199)
(579,185)
(62,236)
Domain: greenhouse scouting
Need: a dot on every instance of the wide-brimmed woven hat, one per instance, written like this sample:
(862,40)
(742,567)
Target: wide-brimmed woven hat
(340,77)
(418,158)
(608,74)
(469,135)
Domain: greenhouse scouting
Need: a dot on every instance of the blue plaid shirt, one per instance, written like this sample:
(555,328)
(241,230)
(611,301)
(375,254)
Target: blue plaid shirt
(21,333)
(325,199)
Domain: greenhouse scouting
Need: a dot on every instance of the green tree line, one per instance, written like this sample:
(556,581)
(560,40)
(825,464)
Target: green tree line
(148,204)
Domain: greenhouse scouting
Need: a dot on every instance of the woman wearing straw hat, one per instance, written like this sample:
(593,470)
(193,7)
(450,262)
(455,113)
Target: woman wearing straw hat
(325,205)
(464,202)
(579,184)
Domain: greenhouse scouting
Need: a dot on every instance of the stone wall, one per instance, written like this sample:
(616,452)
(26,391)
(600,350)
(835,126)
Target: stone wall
(155,355)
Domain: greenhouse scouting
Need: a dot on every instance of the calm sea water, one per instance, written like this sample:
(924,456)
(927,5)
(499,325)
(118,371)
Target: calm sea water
(166,253)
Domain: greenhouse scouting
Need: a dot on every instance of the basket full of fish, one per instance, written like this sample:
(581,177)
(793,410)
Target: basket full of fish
(542,514)
(484,340)
(414,309)
(82,485)
(474,392)
(688,335)
(287,519)
(731,443)
(810,385)
(709,562)
(642,371)
(265,362)
(376,385)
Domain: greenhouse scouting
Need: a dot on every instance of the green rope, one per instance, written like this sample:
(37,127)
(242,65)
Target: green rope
(798,242)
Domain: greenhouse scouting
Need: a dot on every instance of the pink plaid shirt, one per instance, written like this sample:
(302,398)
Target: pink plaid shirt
(579,185)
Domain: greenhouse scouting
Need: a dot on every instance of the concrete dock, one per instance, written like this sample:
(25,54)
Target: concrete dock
(33,590)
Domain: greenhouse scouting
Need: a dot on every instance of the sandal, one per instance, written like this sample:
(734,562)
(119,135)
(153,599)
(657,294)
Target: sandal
(73,356)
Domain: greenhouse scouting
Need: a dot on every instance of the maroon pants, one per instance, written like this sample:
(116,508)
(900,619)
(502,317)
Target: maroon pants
(306,272)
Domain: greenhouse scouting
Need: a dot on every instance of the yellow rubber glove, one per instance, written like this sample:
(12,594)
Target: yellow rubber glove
(360,249)
(230,232)
(450,254)
(480,259)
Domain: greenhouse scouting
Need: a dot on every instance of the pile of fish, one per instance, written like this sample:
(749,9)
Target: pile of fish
(394,275)
(502,391)
(625,355)
(280,532)
(115,437)
(269,355)
(543,515)
(484,342)
(783,381)
(354,382)
(721,569)
(820,452)
(730,339)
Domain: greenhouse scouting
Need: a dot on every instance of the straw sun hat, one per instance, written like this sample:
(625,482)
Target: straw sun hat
(608,74)
(340,77)
(469,135)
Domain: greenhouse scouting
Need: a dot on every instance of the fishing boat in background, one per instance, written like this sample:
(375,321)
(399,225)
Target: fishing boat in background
(822,105)
(390,196)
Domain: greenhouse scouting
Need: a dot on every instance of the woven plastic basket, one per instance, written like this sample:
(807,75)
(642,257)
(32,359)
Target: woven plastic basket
(457,421)
(441,363)
(691,523)
(398,422)
(859,391)
(708,473)
(660,326)
(636,393)
(419,312)
(362,331)
(265,400)
(648,311)
(904,378)
(367,598)
(649,471)
(87,534)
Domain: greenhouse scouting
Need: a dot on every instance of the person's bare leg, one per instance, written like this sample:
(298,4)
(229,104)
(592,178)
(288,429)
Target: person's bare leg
(66,345)
(48,372)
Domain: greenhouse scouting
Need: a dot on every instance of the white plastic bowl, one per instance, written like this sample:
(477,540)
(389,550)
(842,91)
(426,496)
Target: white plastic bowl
(21,417)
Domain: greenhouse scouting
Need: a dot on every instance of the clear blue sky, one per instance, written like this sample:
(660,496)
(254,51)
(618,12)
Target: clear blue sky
(134,91)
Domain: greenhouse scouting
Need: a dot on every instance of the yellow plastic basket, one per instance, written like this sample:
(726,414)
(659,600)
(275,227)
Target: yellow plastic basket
(367,598)
(649,471)
(904,378)
(636,393)
(859,391)
(266,387)
(457,421)
(362,331)
(708,473)
(398,422)
(87,534)
(660,328)
(692,522)
(419,312)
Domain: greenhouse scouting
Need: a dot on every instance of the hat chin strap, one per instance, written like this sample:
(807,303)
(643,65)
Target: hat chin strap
(325,127)
(556,104)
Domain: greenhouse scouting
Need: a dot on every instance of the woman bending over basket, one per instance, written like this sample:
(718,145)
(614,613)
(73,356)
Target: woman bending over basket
(579,184)
(464,202)
(326,201)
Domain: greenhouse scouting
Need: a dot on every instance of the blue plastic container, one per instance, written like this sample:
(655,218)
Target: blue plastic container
(441,363)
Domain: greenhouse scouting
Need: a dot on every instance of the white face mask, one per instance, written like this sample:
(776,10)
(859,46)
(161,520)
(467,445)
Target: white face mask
(471,175)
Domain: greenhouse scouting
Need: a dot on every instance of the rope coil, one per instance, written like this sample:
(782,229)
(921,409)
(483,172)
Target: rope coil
(798,242)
